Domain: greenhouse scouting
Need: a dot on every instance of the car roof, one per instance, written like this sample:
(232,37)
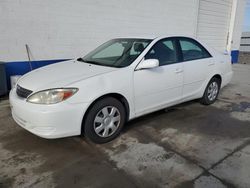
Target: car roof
(153,37)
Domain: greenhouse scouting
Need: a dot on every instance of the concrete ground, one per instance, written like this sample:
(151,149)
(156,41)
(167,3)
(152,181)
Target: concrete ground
(189,145)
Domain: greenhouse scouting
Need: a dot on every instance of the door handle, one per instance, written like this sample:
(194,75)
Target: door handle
(178,71)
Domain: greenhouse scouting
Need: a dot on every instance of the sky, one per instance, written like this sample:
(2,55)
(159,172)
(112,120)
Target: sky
(246,25)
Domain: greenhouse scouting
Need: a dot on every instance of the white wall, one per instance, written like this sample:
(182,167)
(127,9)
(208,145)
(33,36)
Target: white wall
(236,25)
(56,29)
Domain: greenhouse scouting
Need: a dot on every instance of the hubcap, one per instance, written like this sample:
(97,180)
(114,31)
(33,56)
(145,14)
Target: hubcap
(212,92)
(106,121)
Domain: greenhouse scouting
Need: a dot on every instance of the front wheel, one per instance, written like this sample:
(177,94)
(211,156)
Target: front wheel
(104,121)
(211,93)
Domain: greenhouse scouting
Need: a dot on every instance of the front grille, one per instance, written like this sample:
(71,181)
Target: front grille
(22,92)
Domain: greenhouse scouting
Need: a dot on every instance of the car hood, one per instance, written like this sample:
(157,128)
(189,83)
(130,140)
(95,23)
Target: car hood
(61,75)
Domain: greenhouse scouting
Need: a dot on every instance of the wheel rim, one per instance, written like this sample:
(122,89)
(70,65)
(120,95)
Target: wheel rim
(107,121)
(212,92)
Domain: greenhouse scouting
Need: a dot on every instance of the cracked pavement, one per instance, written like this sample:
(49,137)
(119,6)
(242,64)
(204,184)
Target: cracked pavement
(188,145)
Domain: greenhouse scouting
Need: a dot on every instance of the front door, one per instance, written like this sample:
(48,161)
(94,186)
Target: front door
(161,86)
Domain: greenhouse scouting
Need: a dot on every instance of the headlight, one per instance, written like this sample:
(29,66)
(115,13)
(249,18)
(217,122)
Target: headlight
(51,96)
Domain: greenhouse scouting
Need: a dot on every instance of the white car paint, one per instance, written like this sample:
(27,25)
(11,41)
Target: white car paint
(69,72)
(149,95)
(144,90)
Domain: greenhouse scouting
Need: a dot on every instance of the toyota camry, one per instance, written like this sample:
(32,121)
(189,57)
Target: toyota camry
(124,78)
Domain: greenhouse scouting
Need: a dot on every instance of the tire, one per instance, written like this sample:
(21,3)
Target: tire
(104,121)
(211,92)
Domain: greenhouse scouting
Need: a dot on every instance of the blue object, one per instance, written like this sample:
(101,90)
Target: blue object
(235,56)
(22,67)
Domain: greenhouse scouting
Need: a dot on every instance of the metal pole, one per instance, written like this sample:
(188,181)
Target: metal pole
(28,53)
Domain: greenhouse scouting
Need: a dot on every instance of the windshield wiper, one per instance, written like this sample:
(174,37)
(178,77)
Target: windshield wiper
(95,62)
(87,61)
(80,59)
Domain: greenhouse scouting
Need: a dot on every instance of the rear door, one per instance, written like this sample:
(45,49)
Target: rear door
(197,66)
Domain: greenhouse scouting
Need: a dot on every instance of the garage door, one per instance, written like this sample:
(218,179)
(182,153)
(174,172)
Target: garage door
(213,22)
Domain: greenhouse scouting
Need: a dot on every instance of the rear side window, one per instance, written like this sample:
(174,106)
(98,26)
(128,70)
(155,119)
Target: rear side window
(192,50)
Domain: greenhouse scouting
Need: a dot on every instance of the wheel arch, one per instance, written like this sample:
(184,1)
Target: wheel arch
(218,76)
(117,96)
(204,86)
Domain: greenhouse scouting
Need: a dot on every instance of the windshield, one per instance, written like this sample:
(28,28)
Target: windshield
(116,52)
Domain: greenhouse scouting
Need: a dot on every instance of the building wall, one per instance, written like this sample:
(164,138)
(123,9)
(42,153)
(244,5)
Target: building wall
(244,55)
(235,30)
(237,23)
(56,30)
(62,29)
(245,42)
(214,22)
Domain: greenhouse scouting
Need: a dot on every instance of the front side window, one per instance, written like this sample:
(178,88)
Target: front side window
(117,52)
(164,51)
(192,50)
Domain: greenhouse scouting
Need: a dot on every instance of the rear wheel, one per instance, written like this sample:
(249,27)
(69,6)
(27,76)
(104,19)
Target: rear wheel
(211,93)
(104,120)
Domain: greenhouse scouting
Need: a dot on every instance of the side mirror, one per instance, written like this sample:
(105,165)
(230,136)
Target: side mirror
(148,64)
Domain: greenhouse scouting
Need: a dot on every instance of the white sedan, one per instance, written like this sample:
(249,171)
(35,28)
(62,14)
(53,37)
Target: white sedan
(122,79)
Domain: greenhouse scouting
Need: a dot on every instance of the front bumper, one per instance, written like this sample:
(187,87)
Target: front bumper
(48,121)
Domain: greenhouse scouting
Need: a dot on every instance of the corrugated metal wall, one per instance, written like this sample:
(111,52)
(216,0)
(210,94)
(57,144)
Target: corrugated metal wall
(214,21)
